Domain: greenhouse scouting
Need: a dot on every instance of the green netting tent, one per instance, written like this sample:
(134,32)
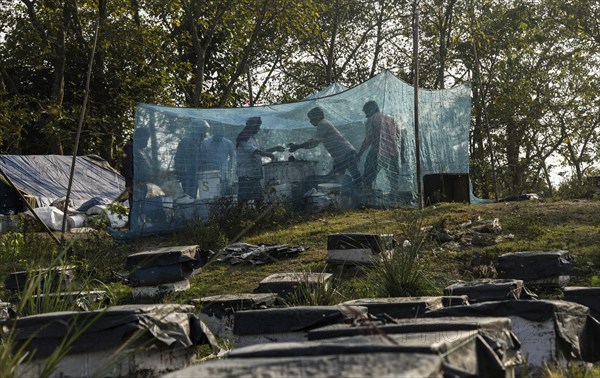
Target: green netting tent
(181,175)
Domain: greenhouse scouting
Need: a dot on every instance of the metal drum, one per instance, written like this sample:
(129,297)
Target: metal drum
(289,171)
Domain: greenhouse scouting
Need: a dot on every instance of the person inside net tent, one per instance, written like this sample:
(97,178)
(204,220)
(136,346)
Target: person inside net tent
(187,156)
(249,161)
(217,154)
(140,158)
(138,171)
(383,138)
(339,148)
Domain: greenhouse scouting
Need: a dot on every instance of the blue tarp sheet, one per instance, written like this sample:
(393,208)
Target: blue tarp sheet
(46,178)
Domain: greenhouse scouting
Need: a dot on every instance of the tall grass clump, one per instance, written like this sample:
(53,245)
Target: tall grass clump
(47,289)
(313,291)
(42,293)
(403,273)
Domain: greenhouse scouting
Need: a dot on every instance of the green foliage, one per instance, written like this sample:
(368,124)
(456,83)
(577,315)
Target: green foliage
(239,220)
(20,249)
(571,370)
(96,256)
(44,291)
(573,188)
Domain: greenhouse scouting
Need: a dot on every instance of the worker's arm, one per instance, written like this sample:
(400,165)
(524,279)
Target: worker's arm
(311,143)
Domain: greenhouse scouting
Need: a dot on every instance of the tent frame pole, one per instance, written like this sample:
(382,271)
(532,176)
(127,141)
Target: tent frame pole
(416,99)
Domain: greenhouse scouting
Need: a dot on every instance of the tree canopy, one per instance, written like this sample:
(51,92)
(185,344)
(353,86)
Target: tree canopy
(532,65)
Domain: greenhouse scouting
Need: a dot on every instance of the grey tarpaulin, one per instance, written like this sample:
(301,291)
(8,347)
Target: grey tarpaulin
(587,296)
(221,305)
(577,332)
(164,265)
(495,325)
(46,177)
(291,319)
(239,253)
(170,324)
(532,265)
(399,307)
(466,354)
(487,289)
(496,331)
(356,365)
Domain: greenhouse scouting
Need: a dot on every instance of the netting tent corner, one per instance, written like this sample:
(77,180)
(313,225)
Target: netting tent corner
(195,156)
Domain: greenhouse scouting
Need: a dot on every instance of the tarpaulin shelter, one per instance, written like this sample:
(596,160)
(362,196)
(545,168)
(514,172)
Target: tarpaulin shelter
(43,179)
(444,122)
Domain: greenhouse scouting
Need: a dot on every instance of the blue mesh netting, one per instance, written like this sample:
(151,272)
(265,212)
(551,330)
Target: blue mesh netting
(173,188)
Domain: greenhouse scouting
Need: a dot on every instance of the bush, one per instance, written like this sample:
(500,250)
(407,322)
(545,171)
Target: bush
(239,220)
(402,273)
(575,189)
(319,293)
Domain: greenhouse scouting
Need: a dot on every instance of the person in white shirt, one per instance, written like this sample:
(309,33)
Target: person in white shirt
(217,154)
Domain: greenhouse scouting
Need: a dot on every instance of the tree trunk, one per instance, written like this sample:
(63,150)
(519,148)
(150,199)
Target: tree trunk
(329,75)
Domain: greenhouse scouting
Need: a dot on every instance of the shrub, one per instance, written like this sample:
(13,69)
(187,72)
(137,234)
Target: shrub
(314,293)
(402,273)
(239,220)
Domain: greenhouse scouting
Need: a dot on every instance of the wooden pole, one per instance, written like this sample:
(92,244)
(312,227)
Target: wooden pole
(81,118)
(416,97)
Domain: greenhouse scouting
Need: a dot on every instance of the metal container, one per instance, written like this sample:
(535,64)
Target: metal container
(289,171)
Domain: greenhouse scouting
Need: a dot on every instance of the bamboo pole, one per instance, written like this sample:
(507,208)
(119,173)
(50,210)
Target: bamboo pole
(79,127)
(416,98)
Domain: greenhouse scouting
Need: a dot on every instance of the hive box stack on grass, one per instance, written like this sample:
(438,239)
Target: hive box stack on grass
(399,307)
(587,296)
(358,249)
(332,365)
(164,270)
(455,300)
(496,330)
(536,268)
(288,323)
(121,341)
(465,354)
(286,284)
(550,331)
(483,290)
(85,300)
(217,312)
(50,280)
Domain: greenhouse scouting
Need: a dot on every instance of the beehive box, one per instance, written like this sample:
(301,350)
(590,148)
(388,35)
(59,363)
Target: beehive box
(358,249)
(209,185)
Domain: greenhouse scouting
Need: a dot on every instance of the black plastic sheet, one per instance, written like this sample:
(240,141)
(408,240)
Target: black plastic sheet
(467,354)
(534,264)
(165,265)
(577,332)
(170,324)
(407,365)
(244,253)
(292,319)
